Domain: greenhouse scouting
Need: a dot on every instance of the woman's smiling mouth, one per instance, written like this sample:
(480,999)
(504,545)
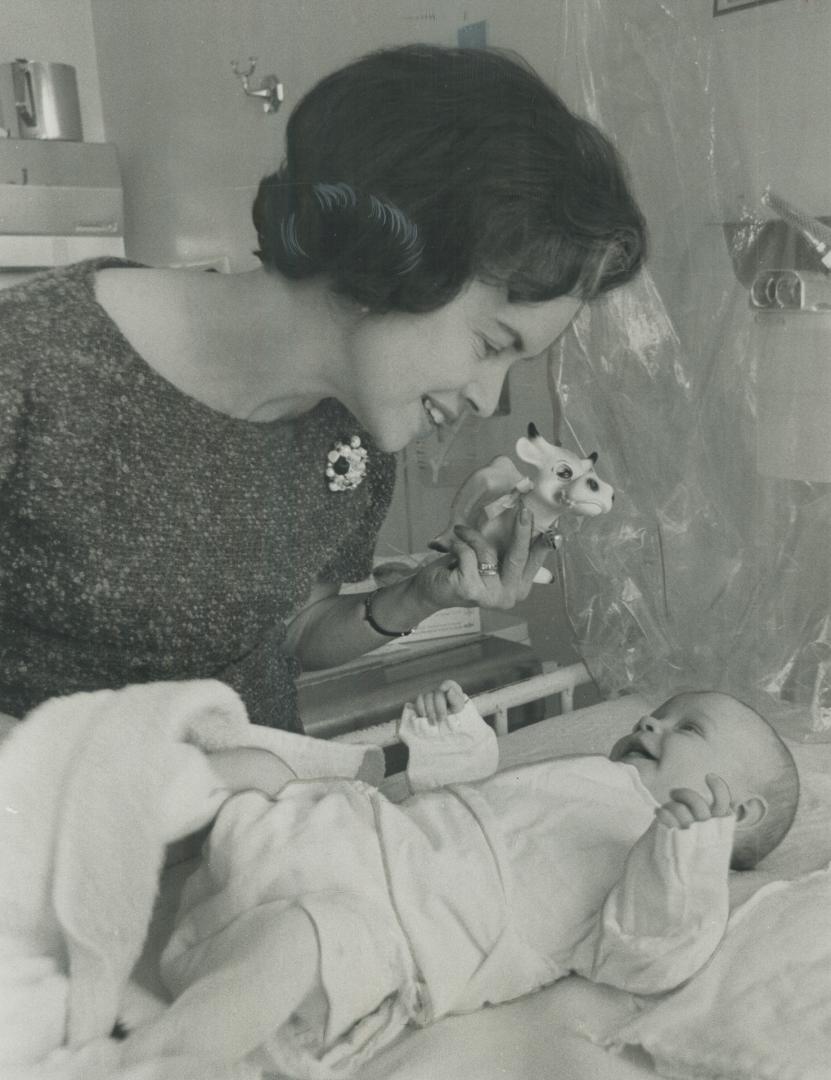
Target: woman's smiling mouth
(436,416)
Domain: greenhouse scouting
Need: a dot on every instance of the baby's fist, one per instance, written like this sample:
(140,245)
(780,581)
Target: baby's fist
(686,806)
(435,705)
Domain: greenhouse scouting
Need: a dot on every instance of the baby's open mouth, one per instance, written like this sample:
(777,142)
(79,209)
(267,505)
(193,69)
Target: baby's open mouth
(630,747)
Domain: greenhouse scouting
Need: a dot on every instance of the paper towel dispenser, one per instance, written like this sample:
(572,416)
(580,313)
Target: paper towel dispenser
(52,188)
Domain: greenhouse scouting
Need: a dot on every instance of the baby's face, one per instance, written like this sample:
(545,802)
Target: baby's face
(688,737)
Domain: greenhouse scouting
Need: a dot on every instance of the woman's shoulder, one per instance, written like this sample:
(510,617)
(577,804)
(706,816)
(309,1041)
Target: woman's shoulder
(59,282)
(50,301)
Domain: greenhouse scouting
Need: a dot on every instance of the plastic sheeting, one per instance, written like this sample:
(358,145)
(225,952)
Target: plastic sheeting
(707,573)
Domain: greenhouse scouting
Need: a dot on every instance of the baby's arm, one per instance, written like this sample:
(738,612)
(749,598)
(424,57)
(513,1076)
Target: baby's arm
(245,767)
(448,741)
(664,918)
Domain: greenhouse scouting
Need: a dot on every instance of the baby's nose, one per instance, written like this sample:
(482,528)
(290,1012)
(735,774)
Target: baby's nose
(647,723)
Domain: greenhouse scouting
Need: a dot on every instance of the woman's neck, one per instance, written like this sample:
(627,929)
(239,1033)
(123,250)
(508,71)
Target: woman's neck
(286,346)
(253,345)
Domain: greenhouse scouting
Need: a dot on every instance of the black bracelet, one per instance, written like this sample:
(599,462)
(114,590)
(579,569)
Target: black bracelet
(368,616)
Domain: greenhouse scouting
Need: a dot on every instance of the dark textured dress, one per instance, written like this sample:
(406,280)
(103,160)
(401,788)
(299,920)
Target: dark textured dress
(146,536)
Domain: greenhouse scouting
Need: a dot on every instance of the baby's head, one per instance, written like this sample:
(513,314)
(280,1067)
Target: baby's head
(694,734)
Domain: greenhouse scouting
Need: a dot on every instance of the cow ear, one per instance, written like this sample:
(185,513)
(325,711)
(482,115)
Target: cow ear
(527,451)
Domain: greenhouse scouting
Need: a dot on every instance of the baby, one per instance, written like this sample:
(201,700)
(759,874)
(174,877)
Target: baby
(323,921)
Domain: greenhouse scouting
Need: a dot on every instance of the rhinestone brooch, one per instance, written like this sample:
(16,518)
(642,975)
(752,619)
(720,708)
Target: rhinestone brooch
(346,464)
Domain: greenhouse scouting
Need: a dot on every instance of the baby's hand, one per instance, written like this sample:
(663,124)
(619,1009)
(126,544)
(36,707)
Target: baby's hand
(447,739)
(436,704)
(686,806)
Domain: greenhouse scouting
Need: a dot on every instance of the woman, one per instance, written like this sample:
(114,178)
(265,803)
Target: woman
(191,464)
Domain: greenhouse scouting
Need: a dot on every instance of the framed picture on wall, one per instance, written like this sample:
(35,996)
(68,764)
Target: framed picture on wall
(724,7)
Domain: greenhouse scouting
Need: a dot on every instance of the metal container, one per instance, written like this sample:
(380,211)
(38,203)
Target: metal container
(40,101)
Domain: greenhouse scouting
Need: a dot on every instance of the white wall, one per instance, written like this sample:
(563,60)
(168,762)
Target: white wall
(193,147)
(57,31)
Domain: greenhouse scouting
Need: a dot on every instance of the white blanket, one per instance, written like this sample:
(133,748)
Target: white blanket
(761,1009)
(93,787)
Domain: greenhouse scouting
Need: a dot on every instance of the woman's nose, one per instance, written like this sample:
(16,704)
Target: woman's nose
(483,394)
(647,723)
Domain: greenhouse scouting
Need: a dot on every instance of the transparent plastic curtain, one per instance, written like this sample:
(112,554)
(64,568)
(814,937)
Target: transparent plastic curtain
(706,574)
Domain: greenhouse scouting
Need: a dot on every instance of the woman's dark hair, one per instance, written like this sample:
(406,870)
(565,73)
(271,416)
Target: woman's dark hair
(414,170)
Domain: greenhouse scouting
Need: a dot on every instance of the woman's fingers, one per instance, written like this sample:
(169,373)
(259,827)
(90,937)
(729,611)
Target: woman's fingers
(536,557)
(521,560)
(479,569)
(472,538)
(471,553)
(517,555)
(473,573)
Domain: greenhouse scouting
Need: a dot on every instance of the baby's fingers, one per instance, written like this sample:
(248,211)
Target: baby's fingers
(695,803)
(435,706)
(454,695)
(667,815)
(722,804)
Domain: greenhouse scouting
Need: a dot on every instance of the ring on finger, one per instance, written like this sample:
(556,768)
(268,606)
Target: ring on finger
(488,569)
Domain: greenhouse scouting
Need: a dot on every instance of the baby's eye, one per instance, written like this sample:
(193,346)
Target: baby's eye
(688,726)
(564,472)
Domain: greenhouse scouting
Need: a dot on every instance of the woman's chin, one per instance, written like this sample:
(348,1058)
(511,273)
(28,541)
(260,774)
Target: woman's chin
(391,438)
(393,430)
(390,442)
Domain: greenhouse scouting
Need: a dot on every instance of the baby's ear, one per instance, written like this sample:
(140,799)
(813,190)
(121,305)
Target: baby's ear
(750,812)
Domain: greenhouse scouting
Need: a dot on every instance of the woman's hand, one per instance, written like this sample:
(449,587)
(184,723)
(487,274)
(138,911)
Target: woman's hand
(473,574)
(332,629)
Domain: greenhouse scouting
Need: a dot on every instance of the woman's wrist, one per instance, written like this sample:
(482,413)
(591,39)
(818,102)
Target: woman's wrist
(397,609)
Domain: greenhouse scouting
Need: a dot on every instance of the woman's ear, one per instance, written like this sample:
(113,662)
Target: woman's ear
(750,812)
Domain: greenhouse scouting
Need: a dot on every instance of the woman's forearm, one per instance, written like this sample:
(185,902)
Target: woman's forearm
(334,630)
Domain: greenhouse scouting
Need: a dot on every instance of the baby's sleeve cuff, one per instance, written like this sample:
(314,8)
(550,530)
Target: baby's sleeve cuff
(460,749)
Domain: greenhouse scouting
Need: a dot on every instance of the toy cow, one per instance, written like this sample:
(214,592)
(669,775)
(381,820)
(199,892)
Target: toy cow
(561,483)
